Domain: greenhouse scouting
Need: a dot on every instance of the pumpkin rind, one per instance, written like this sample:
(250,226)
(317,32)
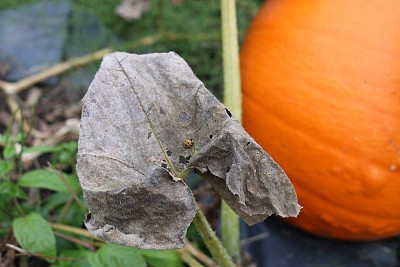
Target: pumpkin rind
(321,94)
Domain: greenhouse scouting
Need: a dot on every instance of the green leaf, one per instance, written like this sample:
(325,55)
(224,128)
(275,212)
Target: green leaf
(70,146)
(9,150)
(48,180)
(6,167)
(3,139)
(34,234)
(64,156)
(11,189)
(42,179)
(116,256)
(21,136)
(61,264)
(75,253)
(80,254)
(56,200)
(168,258)
(73,182)
(81,263)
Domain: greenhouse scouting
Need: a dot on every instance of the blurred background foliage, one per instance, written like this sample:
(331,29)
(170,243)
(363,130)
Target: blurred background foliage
(193,18)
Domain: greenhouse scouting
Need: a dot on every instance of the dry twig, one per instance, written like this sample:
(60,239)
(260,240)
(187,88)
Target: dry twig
(207,261)
(188,259)
(76,241)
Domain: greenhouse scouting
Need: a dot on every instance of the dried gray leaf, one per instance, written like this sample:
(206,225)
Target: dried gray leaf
(137,114)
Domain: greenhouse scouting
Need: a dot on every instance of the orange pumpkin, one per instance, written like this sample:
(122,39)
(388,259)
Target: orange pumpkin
(321,94)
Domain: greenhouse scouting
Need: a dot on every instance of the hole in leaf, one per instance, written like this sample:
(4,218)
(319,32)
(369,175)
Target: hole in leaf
(185,117)
(88,216)
(169,153)
(162,111)
(210,136)
(148,135)
(164,165)
(184,160)
(228,112)
(248,143)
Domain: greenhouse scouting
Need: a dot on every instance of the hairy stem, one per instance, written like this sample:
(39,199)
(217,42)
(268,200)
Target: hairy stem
(233,101)
(211,240)
(230,54)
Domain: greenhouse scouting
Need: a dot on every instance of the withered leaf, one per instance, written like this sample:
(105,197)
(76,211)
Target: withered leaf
(137,114)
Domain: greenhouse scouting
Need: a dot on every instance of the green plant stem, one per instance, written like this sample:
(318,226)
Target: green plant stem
(230,231)
(233,101)
(198,254)
(73,230)
(211,240)
(230,54)
(76,241)
(19,208)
